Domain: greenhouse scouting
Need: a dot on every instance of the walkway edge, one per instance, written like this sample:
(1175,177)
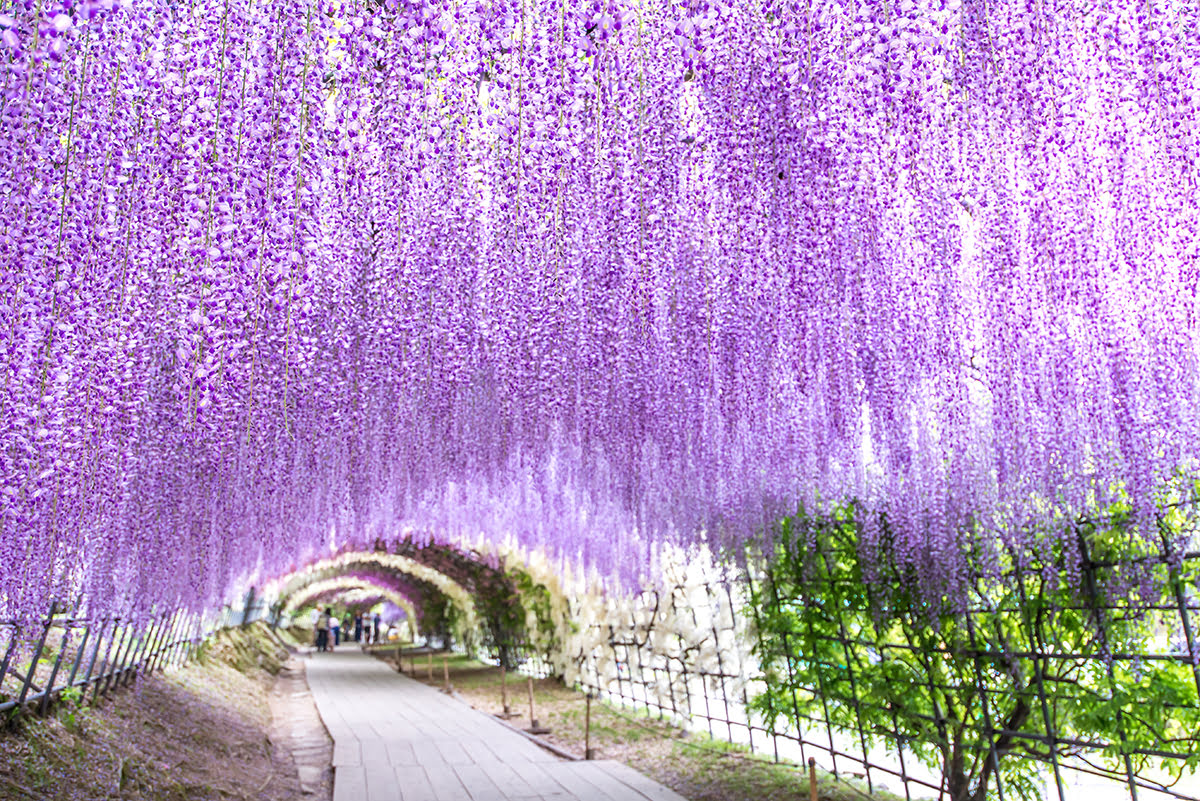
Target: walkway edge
(533,738)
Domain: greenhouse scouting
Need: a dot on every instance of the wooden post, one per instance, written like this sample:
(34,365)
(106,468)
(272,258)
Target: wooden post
(812,779)
(534,726)
(446,688)
(79,654)
(49,690)
(95,653)
(507,713)
(587,731)
(429,666)
(37,655)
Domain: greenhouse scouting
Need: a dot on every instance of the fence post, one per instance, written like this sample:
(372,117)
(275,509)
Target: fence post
(178,640)
(154,635)
(12,646)
(820,674)
(164,634)
(129,671)
(246,608)
(194,640)
(111,668)
(62,649)
(850,660)
(987,713)
(160,645)
(164,644)
(37,654)
(101,676)
(755,603)
(92,662)
(83,644)
(1180,601)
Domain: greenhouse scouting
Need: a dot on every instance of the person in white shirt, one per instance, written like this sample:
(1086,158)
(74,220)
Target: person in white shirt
(322,629)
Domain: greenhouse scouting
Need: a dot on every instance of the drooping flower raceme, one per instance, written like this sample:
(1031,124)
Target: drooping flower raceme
(281,278)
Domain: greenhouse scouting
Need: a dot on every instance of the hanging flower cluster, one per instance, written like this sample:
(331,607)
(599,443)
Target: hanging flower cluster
(277,278)
(350,590)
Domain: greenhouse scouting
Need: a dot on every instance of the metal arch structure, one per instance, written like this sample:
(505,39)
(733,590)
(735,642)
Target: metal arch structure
(404,566)
(317,589)
(415,589)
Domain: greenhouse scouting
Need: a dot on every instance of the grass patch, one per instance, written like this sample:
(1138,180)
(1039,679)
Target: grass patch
(694,765)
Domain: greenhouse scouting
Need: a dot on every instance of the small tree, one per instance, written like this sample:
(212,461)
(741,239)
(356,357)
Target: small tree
(1023,665)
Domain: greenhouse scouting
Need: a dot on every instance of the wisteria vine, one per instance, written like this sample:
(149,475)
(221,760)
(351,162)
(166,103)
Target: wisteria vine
(278,278)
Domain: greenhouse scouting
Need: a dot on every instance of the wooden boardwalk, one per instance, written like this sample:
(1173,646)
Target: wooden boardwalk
(395,739)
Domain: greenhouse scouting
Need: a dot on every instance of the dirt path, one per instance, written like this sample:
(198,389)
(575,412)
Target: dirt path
(297,731)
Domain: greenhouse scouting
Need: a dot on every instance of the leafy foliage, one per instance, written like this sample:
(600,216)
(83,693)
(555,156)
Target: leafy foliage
(1026,662)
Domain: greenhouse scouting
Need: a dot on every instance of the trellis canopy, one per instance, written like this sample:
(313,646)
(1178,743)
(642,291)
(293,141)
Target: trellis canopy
(278,278)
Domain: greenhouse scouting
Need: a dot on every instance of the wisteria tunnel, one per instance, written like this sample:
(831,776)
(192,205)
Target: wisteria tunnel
(820,376)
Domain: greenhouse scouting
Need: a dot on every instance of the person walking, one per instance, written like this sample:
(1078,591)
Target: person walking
(375,630)
(358,627)
(335,626)
(322,629)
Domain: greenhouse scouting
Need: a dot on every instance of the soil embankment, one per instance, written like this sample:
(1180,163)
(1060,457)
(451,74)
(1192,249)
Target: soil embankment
(236,723)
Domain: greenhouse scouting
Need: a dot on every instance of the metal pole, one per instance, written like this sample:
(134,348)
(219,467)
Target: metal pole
(587,731)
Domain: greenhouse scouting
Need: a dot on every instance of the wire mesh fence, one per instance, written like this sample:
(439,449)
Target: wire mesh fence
(1045,670)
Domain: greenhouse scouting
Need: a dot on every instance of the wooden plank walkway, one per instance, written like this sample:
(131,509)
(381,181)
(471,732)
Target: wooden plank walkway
(395,739)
